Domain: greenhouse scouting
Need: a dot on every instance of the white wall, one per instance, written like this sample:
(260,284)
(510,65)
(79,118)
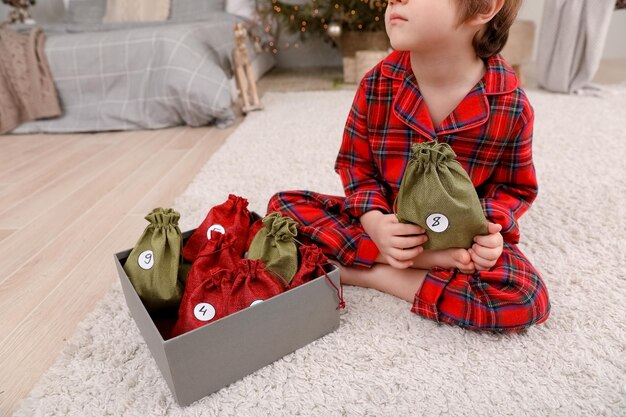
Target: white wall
(615,46)
(616,39)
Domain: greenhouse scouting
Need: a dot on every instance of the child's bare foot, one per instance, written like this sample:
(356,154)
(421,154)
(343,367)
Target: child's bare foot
(354,276)
(458,258)
(401,283)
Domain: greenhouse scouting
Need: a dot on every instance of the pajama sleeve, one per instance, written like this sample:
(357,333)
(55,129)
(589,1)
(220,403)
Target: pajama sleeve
(364,188)
(513,185)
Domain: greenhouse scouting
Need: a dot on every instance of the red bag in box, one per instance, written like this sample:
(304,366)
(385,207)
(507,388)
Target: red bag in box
(312,262)
(253,284)
(219,253)
(230,217)
(206,303)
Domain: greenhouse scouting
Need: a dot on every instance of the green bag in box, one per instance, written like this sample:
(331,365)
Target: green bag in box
(437,194)
(153,264)
(275,246)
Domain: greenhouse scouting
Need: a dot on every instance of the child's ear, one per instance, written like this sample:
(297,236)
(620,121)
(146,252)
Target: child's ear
(488,12)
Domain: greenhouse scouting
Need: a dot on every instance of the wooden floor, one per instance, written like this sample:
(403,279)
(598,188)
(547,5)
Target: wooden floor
(68,202)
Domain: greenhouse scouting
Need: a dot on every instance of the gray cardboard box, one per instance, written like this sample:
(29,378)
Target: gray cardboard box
(200,362)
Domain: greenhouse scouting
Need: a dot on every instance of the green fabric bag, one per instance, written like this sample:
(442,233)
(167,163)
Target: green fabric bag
(183,271)
(275,246)
(437,194)
(153,264)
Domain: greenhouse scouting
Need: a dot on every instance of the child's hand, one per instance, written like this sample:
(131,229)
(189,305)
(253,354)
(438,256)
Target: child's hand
(398,243)
(487,249)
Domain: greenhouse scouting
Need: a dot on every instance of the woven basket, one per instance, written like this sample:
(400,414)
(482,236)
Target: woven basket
(349,70)
(351,42)
(366,60)
(369,46)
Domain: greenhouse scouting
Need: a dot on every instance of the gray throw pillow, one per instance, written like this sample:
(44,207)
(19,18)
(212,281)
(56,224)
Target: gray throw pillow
(86,11)
(190,10)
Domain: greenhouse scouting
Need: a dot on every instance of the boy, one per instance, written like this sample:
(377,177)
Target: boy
(443,82)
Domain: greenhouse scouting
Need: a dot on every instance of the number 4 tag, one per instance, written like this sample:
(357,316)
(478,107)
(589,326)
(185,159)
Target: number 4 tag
(204,311)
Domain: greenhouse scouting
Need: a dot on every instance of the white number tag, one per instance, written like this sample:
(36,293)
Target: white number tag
(255,302)
(204,311)
(437,222)
(146,259)
(216,228)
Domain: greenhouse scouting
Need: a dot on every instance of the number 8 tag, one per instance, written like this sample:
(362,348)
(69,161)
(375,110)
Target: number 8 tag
(437,222)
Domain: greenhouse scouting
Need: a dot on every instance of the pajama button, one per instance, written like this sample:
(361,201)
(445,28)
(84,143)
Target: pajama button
(437,222)
(216,228)
(204,311)
(146,259)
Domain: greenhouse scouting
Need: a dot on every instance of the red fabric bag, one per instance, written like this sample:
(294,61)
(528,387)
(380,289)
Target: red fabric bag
(253,284)
(206,303)
(312,262)
(219,253)
(230,217)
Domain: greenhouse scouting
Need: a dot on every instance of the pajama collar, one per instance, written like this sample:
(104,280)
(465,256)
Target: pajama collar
(473,110)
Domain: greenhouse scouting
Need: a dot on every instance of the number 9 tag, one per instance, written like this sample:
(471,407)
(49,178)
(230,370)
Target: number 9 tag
(146,259)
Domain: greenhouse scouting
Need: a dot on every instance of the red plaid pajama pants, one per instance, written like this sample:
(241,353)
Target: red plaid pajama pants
(509,297)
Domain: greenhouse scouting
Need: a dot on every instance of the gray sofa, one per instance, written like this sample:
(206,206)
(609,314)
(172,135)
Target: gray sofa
(127,76)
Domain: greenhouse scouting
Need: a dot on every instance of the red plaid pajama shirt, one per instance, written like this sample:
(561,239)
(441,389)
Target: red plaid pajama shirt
(491,133)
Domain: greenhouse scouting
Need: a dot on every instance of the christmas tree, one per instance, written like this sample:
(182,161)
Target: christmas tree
(331,17)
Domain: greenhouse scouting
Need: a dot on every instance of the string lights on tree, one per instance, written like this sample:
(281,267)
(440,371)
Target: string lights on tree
(325,18)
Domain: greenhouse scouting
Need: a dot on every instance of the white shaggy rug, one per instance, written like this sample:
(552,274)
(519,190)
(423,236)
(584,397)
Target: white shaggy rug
(384,360)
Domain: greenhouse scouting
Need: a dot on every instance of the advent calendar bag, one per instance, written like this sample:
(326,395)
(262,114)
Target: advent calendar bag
(275,246)
(437,194)
(312,262)
(153,264)
(206,303)
(232,217)
(183,270)
(253,284)
(219,253)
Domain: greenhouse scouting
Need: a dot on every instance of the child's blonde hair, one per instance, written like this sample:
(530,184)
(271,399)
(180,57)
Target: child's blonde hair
(490,41)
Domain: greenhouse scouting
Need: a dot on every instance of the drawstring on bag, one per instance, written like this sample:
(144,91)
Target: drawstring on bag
(339,291)
(342,303)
